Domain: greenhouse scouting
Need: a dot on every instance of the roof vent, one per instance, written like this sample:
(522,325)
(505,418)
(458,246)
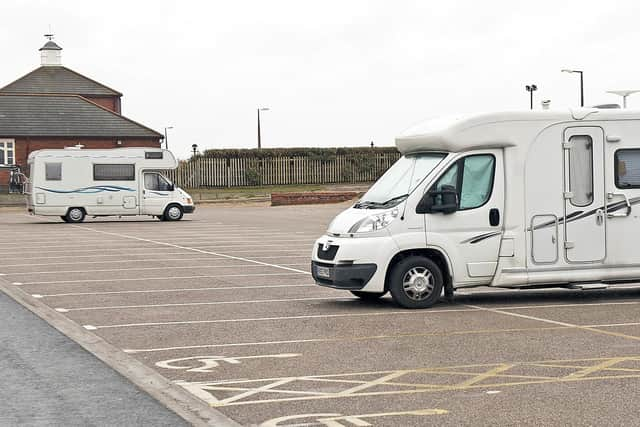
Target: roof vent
(50,53)
(75,147)
(546,104)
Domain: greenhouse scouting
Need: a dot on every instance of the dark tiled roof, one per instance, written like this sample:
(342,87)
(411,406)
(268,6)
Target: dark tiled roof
(50,45)
(57,79)
(64,115)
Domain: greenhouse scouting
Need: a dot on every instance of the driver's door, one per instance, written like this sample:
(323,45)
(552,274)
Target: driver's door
(470,235)
(155,193)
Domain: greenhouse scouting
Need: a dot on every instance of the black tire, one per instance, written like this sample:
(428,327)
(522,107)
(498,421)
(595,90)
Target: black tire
(64,218)
(416,282)
(75,215)
(173,213)
(368,296)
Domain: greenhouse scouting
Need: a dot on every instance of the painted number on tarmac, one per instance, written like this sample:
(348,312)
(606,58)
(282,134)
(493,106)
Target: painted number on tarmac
(207,363)
(338,420)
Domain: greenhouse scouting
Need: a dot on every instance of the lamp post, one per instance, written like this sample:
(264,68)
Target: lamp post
(194,147)
(259,136)
(531,89)
(581,84)
(166,137)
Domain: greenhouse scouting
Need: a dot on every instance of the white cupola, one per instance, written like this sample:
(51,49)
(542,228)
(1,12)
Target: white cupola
(50,53)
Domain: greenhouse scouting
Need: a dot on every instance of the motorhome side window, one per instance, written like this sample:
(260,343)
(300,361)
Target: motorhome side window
(627,168)
(474,184)
(53,171)
(581,170)
(114,172)
(154,181)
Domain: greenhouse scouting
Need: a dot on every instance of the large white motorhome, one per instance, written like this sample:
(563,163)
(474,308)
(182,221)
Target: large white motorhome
(73,183)
(511,200)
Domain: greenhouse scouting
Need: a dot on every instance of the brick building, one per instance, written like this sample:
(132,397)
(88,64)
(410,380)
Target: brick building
(56,107)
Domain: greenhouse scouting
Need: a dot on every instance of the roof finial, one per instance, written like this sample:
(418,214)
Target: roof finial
(49,36)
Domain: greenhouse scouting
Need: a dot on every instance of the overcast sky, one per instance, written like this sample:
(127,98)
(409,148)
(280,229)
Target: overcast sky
(333,72)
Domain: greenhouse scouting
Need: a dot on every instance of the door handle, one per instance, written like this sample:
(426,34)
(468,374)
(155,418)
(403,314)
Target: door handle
(494,217)
(626,201)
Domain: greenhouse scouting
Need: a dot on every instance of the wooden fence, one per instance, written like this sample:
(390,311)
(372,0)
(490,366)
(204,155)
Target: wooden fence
(247,171)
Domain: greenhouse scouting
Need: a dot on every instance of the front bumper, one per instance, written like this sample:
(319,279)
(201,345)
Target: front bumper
(353,263)
(189,209)
(350,277)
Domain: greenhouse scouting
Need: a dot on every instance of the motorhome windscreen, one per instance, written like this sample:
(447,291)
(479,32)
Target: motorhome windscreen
(400,180)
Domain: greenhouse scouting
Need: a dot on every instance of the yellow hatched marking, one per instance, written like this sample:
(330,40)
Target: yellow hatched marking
(595,368)
(491,373)
(469,377)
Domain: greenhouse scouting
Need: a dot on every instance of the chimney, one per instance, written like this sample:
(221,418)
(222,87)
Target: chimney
(50,53)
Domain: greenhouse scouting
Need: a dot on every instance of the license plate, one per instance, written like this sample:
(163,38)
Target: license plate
(324,272)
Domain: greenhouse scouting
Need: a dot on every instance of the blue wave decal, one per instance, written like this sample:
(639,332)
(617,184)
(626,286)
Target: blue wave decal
(158,193)
(90,190)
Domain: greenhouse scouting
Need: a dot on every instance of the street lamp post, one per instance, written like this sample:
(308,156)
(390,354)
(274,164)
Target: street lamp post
(581,84)
(531,89)
(166,137)
(259,136)
(194,147)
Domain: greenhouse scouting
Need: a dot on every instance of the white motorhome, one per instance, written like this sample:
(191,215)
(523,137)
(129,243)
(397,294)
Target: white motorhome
(511,200)
(73,182)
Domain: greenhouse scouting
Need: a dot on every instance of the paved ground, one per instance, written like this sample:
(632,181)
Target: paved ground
(222,304)
(47,379)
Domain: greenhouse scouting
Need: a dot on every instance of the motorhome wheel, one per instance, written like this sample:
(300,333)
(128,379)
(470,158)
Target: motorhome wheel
(416,282)
(75,215)
(368,296)
(173,213)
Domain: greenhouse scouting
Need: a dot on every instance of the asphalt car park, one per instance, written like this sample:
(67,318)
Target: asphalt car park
(222,304)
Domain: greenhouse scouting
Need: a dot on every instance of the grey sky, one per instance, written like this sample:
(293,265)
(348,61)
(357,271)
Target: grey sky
(334,73)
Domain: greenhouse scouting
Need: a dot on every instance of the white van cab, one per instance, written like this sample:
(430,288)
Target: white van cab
(512,200)
(73,182)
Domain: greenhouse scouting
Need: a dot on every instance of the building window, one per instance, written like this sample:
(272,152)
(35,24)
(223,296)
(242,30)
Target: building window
(53,171)
(581,170)
(627,167)
(114,173)
(7,151)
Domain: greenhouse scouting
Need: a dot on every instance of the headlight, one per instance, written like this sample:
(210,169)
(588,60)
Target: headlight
(189,201)
(374,222)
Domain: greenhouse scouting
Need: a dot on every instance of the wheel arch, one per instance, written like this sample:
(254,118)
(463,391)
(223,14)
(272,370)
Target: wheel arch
(436,255)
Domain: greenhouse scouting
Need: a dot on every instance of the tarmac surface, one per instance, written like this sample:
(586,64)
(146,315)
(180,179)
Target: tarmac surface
(222,304)
(47,379)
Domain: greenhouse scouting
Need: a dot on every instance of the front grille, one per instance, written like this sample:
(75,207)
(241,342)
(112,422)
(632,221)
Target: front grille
(329,254)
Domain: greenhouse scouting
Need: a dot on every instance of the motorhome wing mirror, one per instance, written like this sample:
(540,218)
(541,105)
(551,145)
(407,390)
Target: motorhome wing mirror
(443,201)
(172,187)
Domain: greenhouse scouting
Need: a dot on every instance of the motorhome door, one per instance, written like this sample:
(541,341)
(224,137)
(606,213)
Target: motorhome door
(583,192)
(472,234)
(156,192)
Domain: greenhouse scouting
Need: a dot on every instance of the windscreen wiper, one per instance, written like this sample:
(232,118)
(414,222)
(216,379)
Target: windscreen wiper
(394,199)
(369,205)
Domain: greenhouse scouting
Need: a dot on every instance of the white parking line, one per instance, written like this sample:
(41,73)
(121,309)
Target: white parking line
(555,322)
(120,261)
(176,267)
(358,338)
(283,318)
(120,255)
(194,249)
(205,244)
(134,279)
(188,304)
(150,291)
